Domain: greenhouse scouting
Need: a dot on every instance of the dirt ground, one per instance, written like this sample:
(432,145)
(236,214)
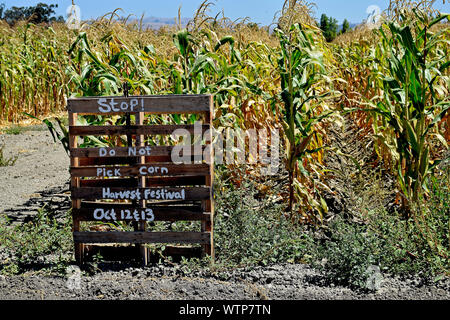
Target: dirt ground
(41,166)
(40,177)
(279,282)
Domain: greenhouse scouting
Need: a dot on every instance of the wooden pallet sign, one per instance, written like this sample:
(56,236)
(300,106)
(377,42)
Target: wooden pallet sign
(136,182)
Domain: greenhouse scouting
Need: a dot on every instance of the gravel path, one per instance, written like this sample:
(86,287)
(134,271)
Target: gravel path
(40,176)
(40,167)
(279,282)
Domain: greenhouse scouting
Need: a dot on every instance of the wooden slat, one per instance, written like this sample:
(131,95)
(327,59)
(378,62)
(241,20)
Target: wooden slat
(166,213)
(170,104)
(142,237)
(94,204)
(111,183)
(105,161)
(142,226)
(208,205)
(153,169)
(75,183)
(150,182)
(122,152)
(133,130)
(188,252)
(175,181)
(121,160)
(190,193)
(123,252)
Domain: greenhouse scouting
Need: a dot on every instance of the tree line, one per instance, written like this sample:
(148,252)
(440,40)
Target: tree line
(40,13)
(330,28)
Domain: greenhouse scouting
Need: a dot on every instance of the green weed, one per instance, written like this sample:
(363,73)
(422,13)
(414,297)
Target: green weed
(418,246)
(5,162)
(250,231)
(41,244)
(14,130)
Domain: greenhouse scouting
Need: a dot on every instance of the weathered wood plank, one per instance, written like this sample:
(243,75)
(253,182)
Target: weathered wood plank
(167,213)
(133,130)
(142,237)
(142,226)
(83,162)
(169,104)
(145,170)
(121,205)
(74,183)
(175,181)
(111,183)
(157,194)
(150,182)
(208,205)
(185,251)
(124,152)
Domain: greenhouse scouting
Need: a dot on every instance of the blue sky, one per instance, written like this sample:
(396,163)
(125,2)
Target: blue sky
(259,11)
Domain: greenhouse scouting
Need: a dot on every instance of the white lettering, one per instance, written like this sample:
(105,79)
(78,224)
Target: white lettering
(124,106)
(145,151)
(158,194)
(104,107)
(125,214)
(145,171)
(103,172)
(103,152)
(122,195)
(99,214)
(113,103)
(133,103)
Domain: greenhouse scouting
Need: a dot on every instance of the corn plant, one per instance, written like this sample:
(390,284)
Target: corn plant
(103,72)
(415,98)
(32,75)
(61,135)
(301,70)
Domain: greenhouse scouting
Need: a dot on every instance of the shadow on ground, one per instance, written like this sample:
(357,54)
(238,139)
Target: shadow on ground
(55,200)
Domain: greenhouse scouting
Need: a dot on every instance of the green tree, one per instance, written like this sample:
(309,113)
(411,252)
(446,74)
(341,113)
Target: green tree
(324,23)
(41,13)
(2,8)
(345,26)
(253,26)
(329,27)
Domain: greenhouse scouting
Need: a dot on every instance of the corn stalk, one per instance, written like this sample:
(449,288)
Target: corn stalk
(415,98)
(301,69)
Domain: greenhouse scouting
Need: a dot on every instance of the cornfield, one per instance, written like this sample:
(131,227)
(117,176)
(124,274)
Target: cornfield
(392,82)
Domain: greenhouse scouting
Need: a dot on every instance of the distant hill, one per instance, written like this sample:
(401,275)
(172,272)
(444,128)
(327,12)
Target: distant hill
(158,22)
(352,26)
